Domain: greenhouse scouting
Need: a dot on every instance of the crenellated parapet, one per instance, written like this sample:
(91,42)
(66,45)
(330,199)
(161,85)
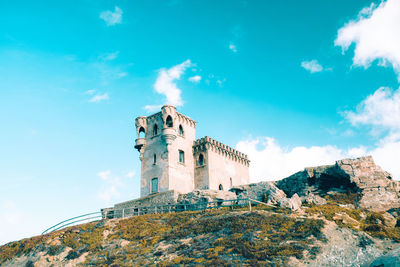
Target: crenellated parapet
(185,120)
(207,143)
(177,118)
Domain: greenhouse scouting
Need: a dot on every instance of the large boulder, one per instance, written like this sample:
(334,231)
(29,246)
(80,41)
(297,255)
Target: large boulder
(293,203)
(205,196)
(376,189)
(262,191)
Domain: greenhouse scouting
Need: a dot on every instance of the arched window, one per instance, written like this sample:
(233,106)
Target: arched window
(154,159)
(142,132)
(155,129)
(169,122)
(181,130)
(201,160)
(220,187)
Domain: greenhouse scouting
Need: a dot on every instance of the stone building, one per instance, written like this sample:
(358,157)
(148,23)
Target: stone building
(172,158)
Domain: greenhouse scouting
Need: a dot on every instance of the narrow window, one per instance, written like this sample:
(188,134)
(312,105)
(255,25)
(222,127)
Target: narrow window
(180,130)
(231,182)
(154,185)
(154,159)
(155,129)
(169,122)
(142,132)
(220,187)
(201,160)
(181,156)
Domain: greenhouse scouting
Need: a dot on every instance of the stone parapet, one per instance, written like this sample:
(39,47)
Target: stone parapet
(207,143)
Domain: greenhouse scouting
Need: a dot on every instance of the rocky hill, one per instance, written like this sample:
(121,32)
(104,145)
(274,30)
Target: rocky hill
(344,214)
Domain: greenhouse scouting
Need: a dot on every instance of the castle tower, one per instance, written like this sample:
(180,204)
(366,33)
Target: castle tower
(218,166)
(164,141)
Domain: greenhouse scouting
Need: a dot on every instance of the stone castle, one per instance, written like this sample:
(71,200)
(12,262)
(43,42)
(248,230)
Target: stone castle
(172,158)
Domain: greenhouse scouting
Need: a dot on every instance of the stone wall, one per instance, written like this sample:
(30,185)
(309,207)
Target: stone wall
(159,199)
(223,166)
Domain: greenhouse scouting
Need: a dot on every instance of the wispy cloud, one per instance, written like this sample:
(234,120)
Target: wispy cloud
(152,108)
(376,34)
(312,66)
(110,187)
(99,97)
(237,33)
(90,92)
(109,56)
(221,82)
(131,174)
(380,111)
(233,47)
(195,79)
(112,18)
(166,84)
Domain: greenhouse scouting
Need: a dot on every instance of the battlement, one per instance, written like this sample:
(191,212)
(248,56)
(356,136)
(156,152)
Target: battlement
(207,143)
(180,118)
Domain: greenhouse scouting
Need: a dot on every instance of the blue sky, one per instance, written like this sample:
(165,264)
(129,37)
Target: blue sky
(291,83)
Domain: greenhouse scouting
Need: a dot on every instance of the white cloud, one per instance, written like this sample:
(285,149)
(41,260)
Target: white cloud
(195,79)
(221,82)
(165,84)
(233,47)
(131,174)
(11,222)
(381,111)
(110,187)
(152,108)
(269,161)
(90,92)
(312,66)
(112,18)
(376,34)
(122,74)
(109,56)
(98,98)
(387,155)
(104,175)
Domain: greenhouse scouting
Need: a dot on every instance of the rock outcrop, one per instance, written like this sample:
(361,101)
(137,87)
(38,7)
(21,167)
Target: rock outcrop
(269,193)
(375,188)
(262,191)
(205,196)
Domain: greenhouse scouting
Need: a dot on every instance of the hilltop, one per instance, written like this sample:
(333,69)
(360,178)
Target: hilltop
(344,214)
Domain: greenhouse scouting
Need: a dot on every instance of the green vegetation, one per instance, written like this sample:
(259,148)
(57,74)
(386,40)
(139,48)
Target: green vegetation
(217,237)
(342,198)
(223,237)
(372,223)
(329,211)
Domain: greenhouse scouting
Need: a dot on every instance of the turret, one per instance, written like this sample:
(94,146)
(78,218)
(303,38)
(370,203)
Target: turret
(169,117)
(141,131)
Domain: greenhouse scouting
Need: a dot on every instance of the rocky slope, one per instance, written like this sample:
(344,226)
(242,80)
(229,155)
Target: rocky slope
(339,215)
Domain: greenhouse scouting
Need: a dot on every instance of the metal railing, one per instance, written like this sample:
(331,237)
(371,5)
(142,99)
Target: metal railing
(89,217)
(154,209)
(137,211)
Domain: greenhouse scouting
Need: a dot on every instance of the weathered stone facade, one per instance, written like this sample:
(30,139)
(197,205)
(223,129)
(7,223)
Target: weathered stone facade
(172,158)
